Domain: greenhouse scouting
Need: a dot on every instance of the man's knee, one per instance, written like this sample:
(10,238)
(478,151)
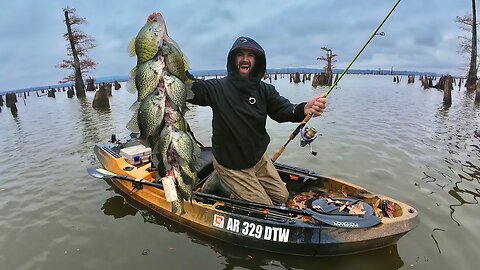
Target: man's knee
(280,197)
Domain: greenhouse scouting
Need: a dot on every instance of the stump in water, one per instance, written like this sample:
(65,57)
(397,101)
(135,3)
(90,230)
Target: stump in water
(14,110)
(394,79)
(411,79)
(90,84)
(10,99)
(296,78)
(443,82)
(70,92)
(275,77)
(51,93)
(447,91)
(1,101)
(315,80)
(108,87)
(100,101)
(117,85)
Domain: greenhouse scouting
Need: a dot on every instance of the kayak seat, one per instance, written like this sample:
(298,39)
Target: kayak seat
(205,163)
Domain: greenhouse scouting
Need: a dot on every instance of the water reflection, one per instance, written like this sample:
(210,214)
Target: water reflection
(236,256)
(94,122)
(118,208)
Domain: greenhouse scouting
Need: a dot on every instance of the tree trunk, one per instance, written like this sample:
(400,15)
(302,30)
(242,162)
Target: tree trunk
(79,85)
(472,73)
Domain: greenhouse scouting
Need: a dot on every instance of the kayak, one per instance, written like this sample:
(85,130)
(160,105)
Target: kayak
(324,215)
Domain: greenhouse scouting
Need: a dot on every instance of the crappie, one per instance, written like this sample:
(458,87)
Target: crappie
(175,60)
(177,92)
(186,188)
(149,39)
(160,150)
(185,148)
(150,117)
(174,118)
(147,77)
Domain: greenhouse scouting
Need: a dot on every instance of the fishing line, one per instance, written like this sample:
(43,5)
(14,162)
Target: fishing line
(309,116)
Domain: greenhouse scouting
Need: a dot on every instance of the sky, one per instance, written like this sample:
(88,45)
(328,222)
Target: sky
(420,35)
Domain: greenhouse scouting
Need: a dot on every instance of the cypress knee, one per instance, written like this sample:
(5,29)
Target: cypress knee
(447,91)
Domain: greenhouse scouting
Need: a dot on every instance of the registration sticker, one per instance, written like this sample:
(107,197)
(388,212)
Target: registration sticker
(218,221)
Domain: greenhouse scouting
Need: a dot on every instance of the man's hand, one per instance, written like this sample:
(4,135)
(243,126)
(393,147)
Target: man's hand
(315,106)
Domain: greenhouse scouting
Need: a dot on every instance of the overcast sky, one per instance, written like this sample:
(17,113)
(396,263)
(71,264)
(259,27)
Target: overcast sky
(421,35)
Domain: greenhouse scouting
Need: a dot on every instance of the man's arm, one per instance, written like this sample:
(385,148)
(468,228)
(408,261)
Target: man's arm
(201,93)
(281,110)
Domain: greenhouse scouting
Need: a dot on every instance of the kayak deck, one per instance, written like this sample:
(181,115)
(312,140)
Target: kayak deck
(275,229)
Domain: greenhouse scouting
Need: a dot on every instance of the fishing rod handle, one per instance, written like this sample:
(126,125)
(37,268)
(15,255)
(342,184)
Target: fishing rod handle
(278,153)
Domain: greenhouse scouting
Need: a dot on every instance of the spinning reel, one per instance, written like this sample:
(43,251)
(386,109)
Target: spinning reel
(307,136)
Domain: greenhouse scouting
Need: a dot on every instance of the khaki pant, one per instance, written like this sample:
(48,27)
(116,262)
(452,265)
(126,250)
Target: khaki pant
(260,184)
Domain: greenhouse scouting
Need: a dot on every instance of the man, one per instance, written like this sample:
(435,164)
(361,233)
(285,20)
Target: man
(240,103)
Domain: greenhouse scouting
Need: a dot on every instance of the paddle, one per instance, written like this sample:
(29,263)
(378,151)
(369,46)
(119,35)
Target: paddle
(336,220)
(294,134)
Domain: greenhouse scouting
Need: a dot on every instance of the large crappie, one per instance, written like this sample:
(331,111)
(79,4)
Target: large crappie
(177,92)
(146,78)
(175,60)
(149,39)
(149,117)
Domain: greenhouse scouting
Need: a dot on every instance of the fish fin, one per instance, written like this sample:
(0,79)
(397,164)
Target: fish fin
(131,86)
(131,47)
(135,106)
(185,61)
(190,75)
(132,125)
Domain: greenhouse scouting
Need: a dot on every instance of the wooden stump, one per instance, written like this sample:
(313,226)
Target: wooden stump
(394,79)
(108,87)
(411,79)
(1,101)
(51,93)
(14,110)
(100,101)
(10,99)
(117,85)
(296,78)
(447,91)
(70,92)
(316,80)
(90,84)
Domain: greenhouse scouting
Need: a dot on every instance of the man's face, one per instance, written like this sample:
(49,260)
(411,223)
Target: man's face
(245,61)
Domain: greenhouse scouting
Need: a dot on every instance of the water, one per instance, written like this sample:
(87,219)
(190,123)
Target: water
(395,139)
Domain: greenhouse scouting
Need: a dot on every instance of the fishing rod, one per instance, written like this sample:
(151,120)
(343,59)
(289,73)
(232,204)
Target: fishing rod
(309,116)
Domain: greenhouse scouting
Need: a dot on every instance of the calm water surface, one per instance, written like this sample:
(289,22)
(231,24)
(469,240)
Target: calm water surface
(395,139)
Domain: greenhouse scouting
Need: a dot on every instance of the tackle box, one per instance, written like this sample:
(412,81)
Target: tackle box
(137,154)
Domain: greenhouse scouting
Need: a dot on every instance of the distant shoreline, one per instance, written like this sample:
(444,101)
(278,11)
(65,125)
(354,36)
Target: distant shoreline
(223,72)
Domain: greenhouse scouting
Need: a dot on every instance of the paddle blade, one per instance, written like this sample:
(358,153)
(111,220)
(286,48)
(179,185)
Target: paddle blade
(100,173)
(94,173)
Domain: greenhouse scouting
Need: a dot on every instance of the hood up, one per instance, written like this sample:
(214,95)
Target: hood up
(260,60)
